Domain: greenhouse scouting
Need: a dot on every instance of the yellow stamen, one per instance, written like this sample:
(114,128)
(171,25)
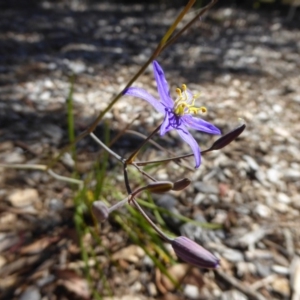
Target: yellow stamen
(184,88)
(184,104)
(203,109)
(178,92)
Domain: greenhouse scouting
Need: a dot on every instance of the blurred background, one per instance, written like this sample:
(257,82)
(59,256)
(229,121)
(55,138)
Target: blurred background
(61,63)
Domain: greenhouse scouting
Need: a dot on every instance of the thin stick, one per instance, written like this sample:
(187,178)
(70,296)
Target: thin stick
(145,163)
(24,167)
(239,285)
(150,141)
(143,172)
(114,154)
(66,179)
(44,168)
(189,24)
(159,147)
(122,131)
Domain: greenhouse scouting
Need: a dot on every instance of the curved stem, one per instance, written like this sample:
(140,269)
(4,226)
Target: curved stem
(118,205)
(114,154)
(145,163)
(217,145)
(143,172)
(128,188)
(80,183)
(153,225)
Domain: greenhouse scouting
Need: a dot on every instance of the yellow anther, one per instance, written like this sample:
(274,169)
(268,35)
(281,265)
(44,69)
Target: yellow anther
(178,91)
(183,87)
(203,109)
(195,110)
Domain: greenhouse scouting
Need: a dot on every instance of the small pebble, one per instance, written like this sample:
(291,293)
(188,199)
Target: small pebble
(191,291)
(232,255)
(280,270)
(31,293)
(281,286)
(262,211)
(22,198)
(206,188)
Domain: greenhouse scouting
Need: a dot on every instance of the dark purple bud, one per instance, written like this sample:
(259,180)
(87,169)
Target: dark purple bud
(227,138)
(160,187)
(100,211)
(194,254)
(181,184)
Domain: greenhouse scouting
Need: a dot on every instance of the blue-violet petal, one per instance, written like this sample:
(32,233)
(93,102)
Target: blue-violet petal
(188,138)
(166,125)
(199,124)
(141,93)
(162,85)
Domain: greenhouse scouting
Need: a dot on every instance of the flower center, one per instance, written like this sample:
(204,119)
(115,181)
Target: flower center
(184,104)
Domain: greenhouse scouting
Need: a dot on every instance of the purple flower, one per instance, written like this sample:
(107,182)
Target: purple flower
(179,114)
(194,254)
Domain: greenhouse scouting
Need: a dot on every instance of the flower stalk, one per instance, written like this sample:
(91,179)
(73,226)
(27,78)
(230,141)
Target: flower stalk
(178,115)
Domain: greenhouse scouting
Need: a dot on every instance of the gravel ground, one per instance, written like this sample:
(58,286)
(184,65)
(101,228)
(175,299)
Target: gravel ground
(245,64)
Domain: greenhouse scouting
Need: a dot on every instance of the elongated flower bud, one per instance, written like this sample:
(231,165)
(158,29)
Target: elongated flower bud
(100,211)
(194,254)
(227,138)
(160,186)
(181,184)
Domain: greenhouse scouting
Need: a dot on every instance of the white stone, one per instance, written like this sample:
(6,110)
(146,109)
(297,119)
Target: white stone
(262,210)
(191,291)
(283,198)
(273,175)
(21,198)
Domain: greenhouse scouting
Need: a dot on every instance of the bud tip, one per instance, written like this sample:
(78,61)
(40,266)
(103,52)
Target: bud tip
(100,211)
(192,253)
